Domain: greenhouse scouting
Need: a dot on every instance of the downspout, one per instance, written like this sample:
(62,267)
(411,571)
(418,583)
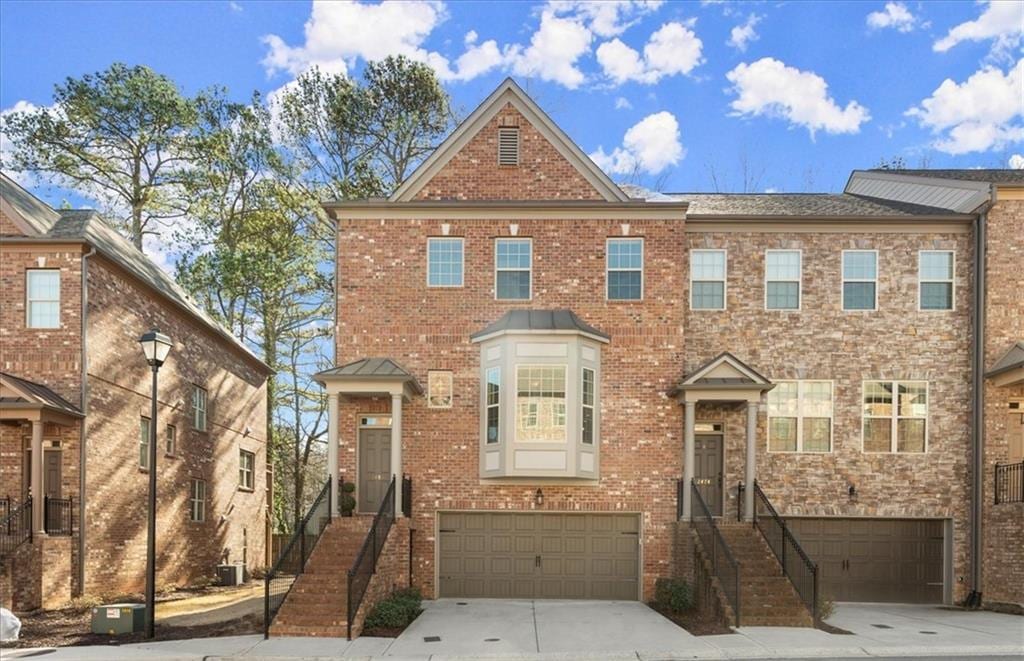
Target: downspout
(978,402)
(83,422)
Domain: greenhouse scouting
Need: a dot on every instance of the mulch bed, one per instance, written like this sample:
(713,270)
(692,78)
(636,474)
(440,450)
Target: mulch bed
(694,621)
(389,632)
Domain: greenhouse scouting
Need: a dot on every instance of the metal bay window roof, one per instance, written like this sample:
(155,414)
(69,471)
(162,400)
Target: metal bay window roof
(542,322)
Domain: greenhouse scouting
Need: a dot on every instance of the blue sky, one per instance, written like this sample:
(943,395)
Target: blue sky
(682,94)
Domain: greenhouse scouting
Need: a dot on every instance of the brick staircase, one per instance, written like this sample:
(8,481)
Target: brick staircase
(317,603)
(767,598)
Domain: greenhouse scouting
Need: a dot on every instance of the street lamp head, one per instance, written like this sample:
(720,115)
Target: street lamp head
(156,346)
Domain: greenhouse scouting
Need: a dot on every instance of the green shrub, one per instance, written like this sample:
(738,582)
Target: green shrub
(673,594)
(396,610)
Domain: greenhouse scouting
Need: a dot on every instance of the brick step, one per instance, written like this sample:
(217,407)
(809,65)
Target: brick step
(340,631)
(318,598)
(307,619)
(321,587)
(775,621)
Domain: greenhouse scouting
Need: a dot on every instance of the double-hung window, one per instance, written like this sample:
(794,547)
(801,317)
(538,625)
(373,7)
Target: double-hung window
(625,269)
(493,404)
(42,287)
(782,279)
(198,408)
(935,279)
(513,261)
(895,416)
(197,501)
(800,416)
(707,279)
(246,469)
(860,279)
(171,440)
(540,403)
(588,406)
(444,261)
(144,432)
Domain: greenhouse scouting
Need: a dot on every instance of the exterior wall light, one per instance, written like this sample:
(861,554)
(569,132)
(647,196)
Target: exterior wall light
(538,498)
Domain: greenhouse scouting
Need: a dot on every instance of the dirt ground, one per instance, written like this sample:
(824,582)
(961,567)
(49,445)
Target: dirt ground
(694,621)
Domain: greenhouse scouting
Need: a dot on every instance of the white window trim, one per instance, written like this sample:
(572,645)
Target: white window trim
(592,406)
(800,419)
(799,280)
(252,471)
(149,433)
(951,281)
(168,436)
(607,270)
(565,399)
(462,262)
(724,280)
(893,439)
(529,269)
(843,280)
(193,500)
(488,406)
(451,390)
(205,408)
(29,299)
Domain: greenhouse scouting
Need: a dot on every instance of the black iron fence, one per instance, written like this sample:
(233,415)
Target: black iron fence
(292,560)
(365,563)
(407,496)
(795,562)
(5,506)
(58,516)
(16,526)
(724,565)
(1010,483)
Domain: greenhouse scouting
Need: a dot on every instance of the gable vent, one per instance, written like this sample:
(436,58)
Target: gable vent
(508,146)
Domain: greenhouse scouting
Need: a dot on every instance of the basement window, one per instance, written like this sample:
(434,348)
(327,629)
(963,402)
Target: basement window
(508,145)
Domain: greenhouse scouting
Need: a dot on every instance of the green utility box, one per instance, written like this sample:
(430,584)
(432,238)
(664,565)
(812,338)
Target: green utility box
(113,619)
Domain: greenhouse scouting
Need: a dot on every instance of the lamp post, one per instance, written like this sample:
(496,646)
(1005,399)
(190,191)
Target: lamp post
(156,346)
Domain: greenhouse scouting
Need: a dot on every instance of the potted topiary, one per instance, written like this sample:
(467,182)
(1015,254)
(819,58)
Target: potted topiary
(346,501)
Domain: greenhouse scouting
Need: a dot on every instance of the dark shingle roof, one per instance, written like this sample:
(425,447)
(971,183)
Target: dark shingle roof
(1012,359)
(540,321)
(994,176)
(371,369)
(809,205)
(40,394)
(36,213)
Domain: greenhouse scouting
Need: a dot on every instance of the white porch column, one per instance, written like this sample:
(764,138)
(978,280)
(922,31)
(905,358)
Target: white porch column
(332,451)
(688,457)
(36,479)
(396,450)
(750,473)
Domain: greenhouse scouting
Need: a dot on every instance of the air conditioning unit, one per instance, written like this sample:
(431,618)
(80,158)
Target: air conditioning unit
(230,574)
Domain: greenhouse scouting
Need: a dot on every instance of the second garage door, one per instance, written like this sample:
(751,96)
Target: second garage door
(890,560)
(539,556)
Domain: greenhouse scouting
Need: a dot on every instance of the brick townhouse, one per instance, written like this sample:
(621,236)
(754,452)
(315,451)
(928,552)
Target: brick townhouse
(578,376)
(75,297)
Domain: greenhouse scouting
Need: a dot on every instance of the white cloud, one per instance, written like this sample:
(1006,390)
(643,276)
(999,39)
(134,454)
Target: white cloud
(984,112)
(1002,22)
(649,146)
(470,37)
(622,103)
(1016,162)
(26,179)
(673,49)
(896,16)
(744,33)
(609,17)
(553,52)
(234,6)
(769,87)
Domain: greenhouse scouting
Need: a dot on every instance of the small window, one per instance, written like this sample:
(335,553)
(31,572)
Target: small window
(895,416)
(540,402)
(246,469)
(198,408)
(444,262)
(707,279)
(439,390)
(171,440)
(782,279)
(197,501)
(860,280)
(513,262)
(144,431)
(935,279)
(625,269)
(800,416)
(493,395)
(43,292)
(508,145)
(588,405)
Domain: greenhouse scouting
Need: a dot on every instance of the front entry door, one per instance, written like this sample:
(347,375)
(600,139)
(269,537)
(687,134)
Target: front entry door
(52,473)
(708,471)
(374,468)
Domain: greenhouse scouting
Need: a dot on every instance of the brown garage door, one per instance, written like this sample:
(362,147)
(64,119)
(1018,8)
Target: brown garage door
(539,556)
(875,559)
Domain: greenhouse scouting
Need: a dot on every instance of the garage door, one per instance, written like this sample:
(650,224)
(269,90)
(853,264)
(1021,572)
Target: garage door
(539,556)
(875,559)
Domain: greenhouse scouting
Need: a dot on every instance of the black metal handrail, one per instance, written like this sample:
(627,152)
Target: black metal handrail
(365,564)
(16,527)
(723,563)
(292,560)
(58,516)
(795,563)
(1009,483)
(407,496)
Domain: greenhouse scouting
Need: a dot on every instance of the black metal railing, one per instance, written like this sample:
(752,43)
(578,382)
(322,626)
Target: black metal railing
(365,564)
(724,565)
(16,527)
(292,560)
(680,486)
(58,516)
(795,562)
(407,496)
(1010,483)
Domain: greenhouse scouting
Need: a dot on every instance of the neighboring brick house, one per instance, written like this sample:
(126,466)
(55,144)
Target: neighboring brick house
(547,355)
(72,287)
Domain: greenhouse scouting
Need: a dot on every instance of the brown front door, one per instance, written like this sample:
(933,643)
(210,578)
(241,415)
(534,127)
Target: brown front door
(52,473)
(708,471)
(374,468)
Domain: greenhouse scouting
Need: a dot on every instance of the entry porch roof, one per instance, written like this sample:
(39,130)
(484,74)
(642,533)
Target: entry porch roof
(21,399)
(370,376)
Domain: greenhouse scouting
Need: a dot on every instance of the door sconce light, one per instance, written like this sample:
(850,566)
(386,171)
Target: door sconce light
(538,498)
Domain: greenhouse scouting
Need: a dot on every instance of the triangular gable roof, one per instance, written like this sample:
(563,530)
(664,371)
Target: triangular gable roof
(26,211)
(1012,359)
(724,371)
(508,92)
(370,369)
(35,395)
